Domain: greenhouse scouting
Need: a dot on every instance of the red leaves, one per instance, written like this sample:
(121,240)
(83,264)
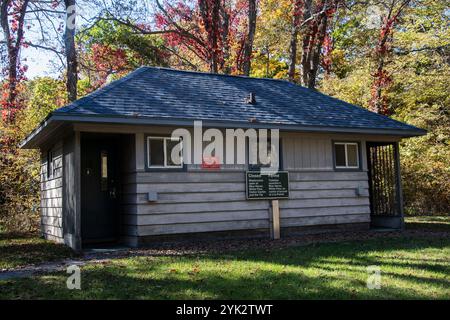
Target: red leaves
(298,9)
(327,50)
(378,102)
(105,55)
(55,4)
(382,78)
(160,21)
(14,73)
(210,30)
(107,60)
(317,43)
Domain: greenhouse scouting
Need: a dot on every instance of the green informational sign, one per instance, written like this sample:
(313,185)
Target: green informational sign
(267,186)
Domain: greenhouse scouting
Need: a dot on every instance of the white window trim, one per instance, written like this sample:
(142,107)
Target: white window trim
(165,139)
(345,144)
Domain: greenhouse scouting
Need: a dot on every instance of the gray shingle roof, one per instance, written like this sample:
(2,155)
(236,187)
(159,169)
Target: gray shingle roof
(161,93)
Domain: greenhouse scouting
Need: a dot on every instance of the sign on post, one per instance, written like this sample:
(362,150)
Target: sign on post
(267,186)
(272,187)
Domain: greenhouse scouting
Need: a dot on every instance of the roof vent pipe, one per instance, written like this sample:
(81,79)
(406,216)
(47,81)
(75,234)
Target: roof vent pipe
(250,99)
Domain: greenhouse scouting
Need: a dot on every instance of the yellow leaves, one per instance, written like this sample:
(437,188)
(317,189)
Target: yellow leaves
(354,88)
(273,25)
(264,68)
(194,271)
(44,95)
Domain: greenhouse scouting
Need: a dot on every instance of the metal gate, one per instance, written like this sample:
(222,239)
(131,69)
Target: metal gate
(384,184)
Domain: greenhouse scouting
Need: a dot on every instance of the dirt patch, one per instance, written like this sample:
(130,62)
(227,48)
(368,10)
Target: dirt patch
(218,246)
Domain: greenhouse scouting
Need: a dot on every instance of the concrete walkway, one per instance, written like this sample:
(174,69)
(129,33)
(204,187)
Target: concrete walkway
(49,267)
(90,256)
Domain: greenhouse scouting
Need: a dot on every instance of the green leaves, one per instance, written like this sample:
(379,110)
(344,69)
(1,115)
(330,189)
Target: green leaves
(419,68)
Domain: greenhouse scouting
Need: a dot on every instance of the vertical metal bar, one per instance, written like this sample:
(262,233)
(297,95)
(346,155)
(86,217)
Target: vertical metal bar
(399,182)
(374,188)
(369,175)
(374,182)
(379,184)
(387,209)
(388,180)
(380,180)
(392,179)
(383,179)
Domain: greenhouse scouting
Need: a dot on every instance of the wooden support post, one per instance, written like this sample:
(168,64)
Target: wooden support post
(275,220)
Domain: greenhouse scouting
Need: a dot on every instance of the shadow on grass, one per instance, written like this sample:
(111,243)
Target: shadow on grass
(332,271)
(104,284)
(434,223)
(23,249)
(435,226)
(17,236)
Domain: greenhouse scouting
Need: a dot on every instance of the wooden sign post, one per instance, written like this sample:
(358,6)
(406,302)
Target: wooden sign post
(275,220)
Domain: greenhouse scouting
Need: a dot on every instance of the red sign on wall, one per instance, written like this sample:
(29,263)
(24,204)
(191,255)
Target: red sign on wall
(211,163)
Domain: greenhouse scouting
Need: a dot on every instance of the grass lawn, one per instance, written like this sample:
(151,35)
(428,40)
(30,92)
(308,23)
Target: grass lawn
(428,223)
(18,250)
(413,267)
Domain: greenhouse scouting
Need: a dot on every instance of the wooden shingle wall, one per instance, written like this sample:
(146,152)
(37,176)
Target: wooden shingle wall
(208,201)
(52,195)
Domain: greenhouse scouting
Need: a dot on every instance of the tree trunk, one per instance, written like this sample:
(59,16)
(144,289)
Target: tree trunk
(211,17)
(294,39)
(376,101)
(215,35)
(313,40)
(248,47)
(381,79)
(306,42)
(13,49)
(315,57)
(293,53)
(225,67)
(71,55)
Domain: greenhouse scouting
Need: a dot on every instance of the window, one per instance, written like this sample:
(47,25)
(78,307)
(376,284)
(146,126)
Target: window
(271,157)
(50,165)
(104,170)
(164,152)
(346,155)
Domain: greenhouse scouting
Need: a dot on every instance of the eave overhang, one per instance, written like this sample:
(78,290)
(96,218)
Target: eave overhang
(56,120)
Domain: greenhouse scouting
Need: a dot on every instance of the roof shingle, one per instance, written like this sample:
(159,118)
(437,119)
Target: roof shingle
(151,92)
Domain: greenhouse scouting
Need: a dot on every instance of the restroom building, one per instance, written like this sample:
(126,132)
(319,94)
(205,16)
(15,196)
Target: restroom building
(107,176)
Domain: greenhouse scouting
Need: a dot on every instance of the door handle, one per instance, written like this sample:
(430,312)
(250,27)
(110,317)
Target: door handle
(112,193)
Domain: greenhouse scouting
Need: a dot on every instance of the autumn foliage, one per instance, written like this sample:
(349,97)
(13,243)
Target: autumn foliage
(211,31)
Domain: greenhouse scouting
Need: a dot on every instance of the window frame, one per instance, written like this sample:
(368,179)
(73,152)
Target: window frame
(358,155)
(258,167)
(164,167)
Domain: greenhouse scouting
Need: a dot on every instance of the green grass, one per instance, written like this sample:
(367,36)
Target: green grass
(24,249)
(413,267)
(437,223)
